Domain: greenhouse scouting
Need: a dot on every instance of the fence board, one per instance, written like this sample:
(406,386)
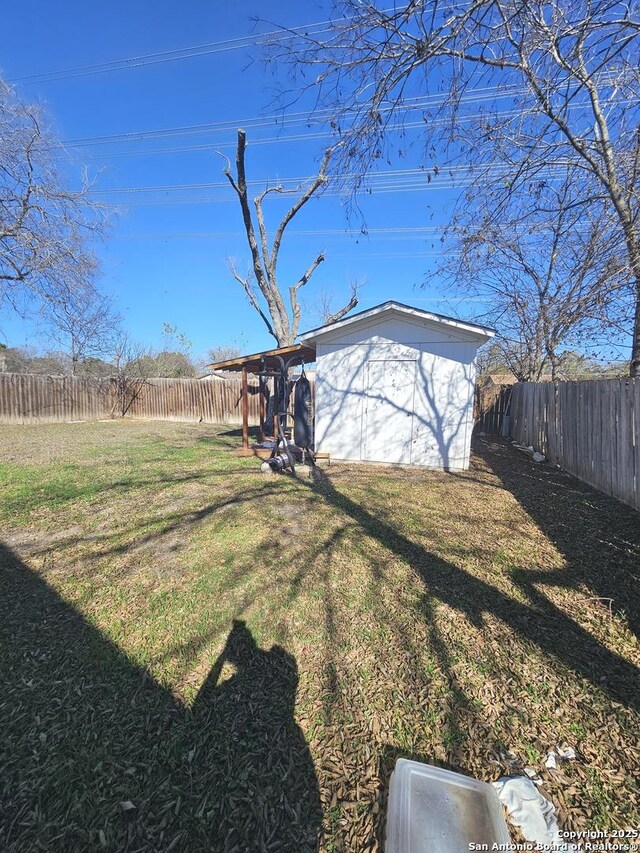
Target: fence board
(26,399)
(492,408)
(589,428)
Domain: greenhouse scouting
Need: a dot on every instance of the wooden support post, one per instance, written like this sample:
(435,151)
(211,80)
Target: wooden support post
(261,395)
(245,409)
(276,407)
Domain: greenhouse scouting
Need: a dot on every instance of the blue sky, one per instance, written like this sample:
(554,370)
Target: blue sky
(156,263)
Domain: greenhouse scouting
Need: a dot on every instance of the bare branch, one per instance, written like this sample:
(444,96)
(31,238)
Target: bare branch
(46,265)
(562,76)
(326,311)
(314,186)
(338,315)
(246,285)
(293,293)
(282,322)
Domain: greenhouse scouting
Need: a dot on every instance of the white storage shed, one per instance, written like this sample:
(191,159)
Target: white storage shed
(396,384)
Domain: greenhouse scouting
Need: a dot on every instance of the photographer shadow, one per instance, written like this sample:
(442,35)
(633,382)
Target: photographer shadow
(98,755)
(255,753)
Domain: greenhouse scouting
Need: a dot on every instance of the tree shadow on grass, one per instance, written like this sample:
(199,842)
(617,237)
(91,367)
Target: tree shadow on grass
(538,621)
(97,756)
(598,536)
(254,432)
(85,730)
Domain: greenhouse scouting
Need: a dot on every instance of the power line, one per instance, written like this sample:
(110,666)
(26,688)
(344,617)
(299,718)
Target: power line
(167,55)
(270,140)
(389,181)
(187,202)
(410,231)
(312,29)
(389,233)
(300,179)
(209,146)
(299,117)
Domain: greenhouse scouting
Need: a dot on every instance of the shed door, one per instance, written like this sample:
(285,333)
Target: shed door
(388,414)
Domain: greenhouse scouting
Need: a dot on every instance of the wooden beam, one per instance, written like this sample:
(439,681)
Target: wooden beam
(261,394)
(254,362)
(245,409)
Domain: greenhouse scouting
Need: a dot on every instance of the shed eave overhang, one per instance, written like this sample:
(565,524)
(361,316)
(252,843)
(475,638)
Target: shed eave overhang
(482,333)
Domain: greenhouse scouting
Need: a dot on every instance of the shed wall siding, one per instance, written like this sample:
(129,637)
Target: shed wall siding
(443,402)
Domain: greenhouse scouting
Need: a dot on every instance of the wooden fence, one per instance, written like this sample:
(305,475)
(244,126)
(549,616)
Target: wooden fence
(492,406)
(27,399)
(589,428)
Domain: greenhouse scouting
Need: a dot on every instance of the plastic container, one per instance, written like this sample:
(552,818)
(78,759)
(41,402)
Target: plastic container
(436,811)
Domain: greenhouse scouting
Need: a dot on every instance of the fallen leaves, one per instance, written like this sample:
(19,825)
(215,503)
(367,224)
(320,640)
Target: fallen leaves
(476,621)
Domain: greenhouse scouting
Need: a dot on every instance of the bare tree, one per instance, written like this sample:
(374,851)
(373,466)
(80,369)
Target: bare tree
(563,77)
(132,373)
(170,364)
(44,227)
(222,353)
(29,360)
(548,271)
(282,320)
(175,357)
(84,322)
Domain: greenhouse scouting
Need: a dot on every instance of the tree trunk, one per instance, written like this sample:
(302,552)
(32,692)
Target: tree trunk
(281,322)
(634,362)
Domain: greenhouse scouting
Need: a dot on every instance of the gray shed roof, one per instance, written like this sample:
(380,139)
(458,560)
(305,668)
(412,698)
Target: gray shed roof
(397,308)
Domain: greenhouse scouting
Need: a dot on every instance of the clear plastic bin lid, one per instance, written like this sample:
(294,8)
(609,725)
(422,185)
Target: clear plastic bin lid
(437,811)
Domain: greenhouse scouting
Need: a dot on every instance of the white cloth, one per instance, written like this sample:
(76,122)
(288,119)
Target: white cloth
(531,812)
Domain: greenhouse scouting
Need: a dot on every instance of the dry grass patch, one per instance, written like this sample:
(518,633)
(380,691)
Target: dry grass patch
(385,612)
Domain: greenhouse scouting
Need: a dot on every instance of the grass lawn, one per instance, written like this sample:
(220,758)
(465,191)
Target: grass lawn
(199,657)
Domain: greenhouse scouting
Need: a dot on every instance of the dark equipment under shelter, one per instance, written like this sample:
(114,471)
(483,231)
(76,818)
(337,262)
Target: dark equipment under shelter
(275,364)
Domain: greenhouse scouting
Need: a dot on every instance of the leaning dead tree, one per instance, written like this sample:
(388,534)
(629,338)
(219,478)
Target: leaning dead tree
(280,315)
(517,88)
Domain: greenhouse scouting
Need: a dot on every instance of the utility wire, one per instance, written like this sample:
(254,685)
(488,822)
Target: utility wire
(481,93)
(418,232)
(237,43)
(312,232)
(303,117)
(168,55)
(389,180)
(192,130)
